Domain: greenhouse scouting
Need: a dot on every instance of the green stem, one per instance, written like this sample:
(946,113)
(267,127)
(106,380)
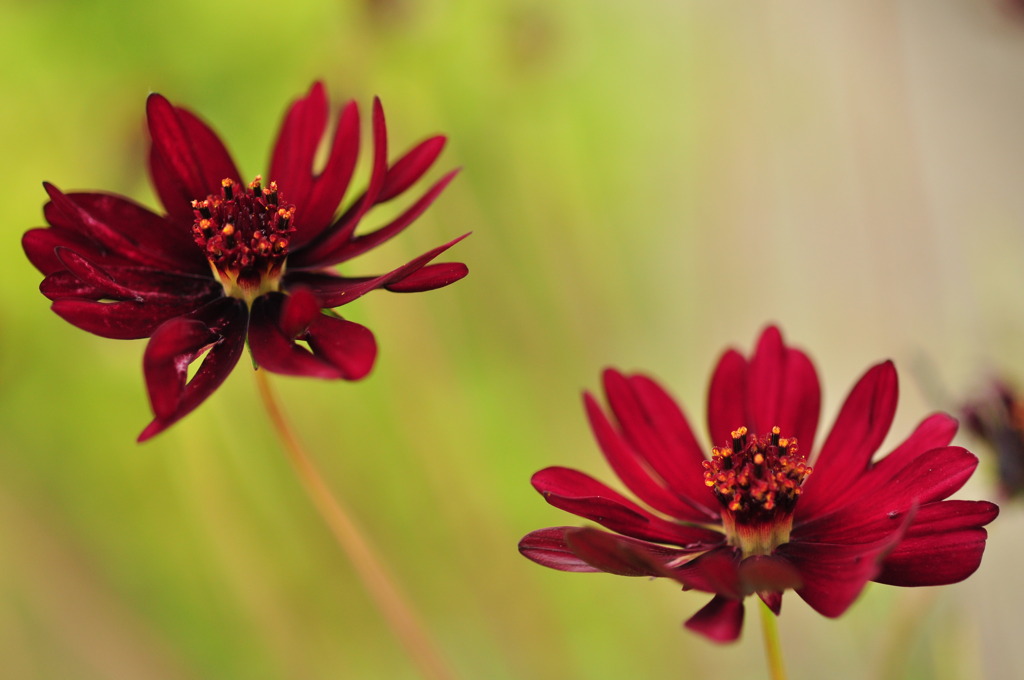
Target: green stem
(368,566)
(772,649)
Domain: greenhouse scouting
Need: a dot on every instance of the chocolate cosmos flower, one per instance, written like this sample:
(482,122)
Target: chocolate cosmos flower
(231,261)
(998,420)
(755,517)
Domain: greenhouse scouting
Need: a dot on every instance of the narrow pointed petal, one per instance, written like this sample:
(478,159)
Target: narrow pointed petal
(584,496)
(431,277)
(338,234)
(404,172)
(862,424)
(170,352)
(547,547)
(632,469)
(727,397)
(291,164)
(357,245)
(720,620)
(944,545)
(330,186)
(188,160)
(334,291)
(656,431)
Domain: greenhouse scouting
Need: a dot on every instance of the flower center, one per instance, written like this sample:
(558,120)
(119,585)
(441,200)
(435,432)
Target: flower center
(244,234)
(758,481)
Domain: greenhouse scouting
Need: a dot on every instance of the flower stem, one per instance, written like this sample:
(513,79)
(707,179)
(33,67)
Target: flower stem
(772,649)
(369,567)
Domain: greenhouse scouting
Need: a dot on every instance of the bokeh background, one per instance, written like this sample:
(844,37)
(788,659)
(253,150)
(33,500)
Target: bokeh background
(647,183)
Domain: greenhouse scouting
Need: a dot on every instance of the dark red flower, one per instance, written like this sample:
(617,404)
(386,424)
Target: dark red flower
(998,420)
(761,515)
(232,261)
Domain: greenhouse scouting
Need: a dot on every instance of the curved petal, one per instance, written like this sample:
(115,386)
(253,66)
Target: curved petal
(782,390)
(85,278)
(885,494)
(547,547)
(187,159)
(631,467)
(720,620)
(122,227)
(125,320)
(727,397)
(291,164)
(357,245)
(430,277)
(935,431)
(618,555)
(413,164)
(340,349)
(176,344)
(334,291)
(340,232)
(584,496)
(944,545)
(862,424)
(40,246)
(657,433)
(834,575)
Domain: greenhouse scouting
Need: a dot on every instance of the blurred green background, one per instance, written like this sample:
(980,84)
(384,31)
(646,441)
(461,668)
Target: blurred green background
(647,183)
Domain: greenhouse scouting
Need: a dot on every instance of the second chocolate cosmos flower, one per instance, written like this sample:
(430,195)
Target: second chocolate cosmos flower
(763,514)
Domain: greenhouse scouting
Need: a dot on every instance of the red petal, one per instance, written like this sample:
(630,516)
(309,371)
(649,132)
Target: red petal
(298,311)
(884,495)
(834,575)
(173,347)
(619,555)
(547,547)
(431,277)
(727,397)
(404,172)
(944,545)
(862,424)
(630,466)
(346,249)
(656,436)
(346,345)
(142,284)
(582,495)
(119,226)
(335,291)
(339,233)
(187,160)
(341,349)
(127,320)
(720,620)
(177,344)
(330,186)
(935,431)
(768,573)
(291,164)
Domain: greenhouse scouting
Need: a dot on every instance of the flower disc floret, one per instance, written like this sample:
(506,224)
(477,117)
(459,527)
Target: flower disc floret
(757,480)
(244,234)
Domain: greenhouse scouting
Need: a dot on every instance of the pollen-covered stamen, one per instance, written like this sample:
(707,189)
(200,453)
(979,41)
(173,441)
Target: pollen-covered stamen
(244,234)
(758,482)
